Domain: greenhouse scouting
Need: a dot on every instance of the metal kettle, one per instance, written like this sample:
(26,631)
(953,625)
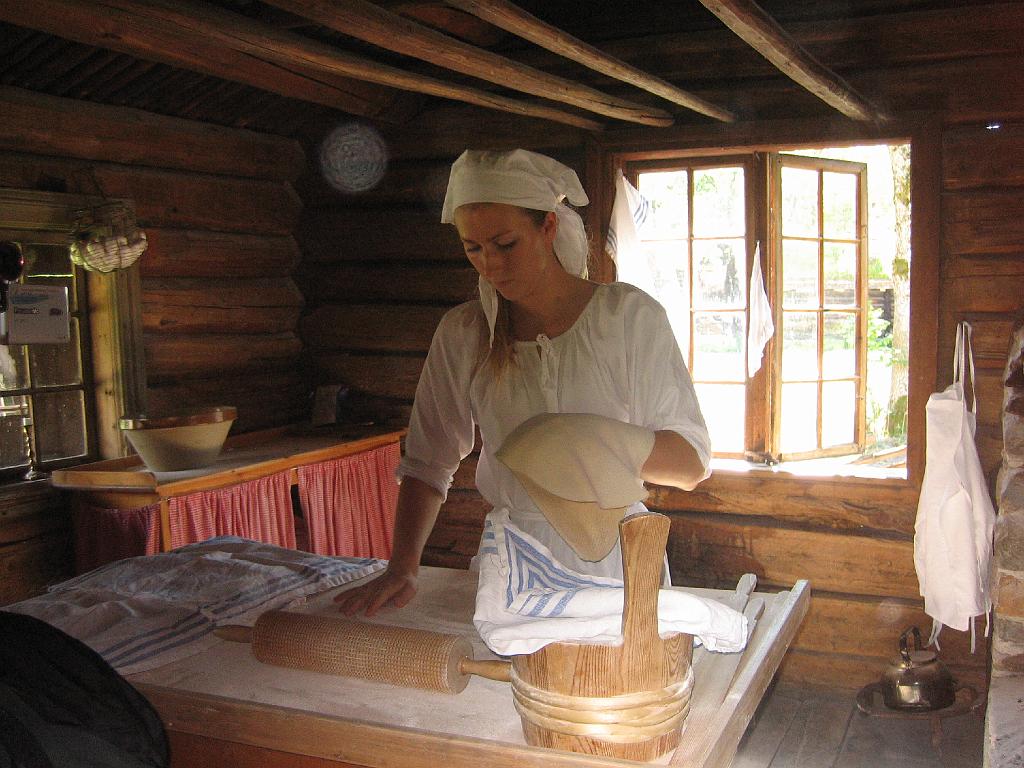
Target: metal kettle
(916,680)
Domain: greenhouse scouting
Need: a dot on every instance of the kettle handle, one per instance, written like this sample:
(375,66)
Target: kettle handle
(904,651)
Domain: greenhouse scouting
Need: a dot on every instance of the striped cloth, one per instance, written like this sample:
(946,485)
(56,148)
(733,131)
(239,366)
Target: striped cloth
(527,599)
(145,612)
(349,503)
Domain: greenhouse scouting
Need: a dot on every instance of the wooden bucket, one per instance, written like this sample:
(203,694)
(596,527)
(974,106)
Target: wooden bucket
(626,700)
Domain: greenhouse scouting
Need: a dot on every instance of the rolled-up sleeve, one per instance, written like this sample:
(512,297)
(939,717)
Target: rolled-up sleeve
(663,393)
(441,428)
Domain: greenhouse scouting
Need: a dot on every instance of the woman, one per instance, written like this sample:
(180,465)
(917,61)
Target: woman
(541,339)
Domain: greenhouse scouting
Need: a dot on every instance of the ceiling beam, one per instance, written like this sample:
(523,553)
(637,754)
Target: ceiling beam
(373,24)
(203,38)
(511,18)
(761,32)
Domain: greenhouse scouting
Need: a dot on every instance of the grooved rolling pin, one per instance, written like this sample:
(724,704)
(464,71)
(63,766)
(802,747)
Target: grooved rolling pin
(413,658)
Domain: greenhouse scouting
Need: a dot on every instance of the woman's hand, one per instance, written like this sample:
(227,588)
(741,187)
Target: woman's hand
(389,590)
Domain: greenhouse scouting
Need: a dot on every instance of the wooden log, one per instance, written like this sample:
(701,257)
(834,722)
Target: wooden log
(166,198)
(340,235)
(196,253)
(28,567)
(46,125)
(443,283)
(993,295)
(195,305)
(848,625)
(378,26)
(272,399)
(852,672)
(767,37)
(394,376)
(155,34)
(980,156)
(706,551)
(419,184)
(371,327)
(986,222)
(510,17)
(171,357)
(849,504)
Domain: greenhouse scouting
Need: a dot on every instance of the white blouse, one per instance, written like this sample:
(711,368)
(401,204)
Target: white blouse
(619,359)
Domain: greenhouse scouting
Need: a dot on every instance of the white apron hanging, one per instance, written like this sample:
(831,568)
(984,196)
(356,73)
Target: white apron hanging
(955,518)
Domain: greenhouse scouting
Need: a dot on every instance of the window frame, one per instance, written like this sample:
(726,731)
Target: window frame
(775,489)
(114,366)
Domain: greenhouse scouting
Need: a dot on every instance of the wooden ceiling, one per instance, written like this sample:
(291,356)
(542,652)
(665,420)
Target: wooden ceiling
(280,66)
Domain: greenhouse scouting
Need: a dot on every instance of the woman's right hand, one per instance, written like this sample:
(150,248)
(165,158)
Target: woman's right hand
(389,590)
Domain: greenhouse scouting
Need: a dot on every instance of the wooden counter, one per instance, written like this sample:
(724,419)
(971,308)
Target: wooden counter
(127,483)
(222,707)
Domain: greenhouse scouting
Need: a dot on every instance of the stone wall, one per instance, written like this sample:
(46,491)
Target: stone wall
(1004,738)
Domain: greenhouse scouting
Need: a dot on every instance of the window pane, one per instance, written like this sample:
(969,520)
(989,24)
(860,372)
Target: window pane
(59,425)
(723,406)
(718,208)
(667,217)
(839,356)
(663,275)
(13,444)
(56,364)
(799,202)
(13,366)
(799,274)
(719,267)
(839,205)
(718,346)
(840,274)
(47,264)
(838,412)
(799,418)
(799,346)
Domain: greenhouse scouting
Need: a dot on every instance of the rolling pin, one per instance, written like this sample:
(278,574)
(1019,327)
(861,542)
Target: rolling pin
(412,658)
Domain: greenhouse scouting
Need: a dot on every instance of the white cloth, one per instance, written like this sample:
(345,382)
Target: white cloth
(527,599)
(144,612)
(659,273)
(519,177)
(955,517)
(619,359)
(762,327)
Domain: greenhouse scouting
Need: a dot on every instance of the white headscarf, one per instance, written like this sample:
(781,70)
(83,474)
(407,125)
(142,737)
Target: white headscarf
(528,180)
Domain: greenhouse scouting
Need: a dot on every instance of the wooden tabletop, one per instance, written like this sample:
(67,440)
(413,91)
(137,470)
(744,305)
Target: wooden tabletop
(245,457)
(223,702)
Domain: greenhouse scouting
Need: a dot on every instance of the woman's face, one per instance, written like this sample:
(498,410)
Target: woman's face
(507,246)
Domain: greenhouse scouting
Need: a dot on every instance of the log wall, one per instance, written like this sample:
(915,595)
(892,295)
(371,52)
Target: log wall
(220,309)
(855,544)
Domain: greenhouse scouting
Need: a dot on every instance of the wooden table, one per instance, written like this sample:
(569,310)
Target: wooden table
(127,483)
(223,707)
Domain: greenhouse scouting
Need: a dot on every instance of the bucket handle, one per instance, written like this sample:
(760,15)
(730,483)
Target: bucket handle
(643,537)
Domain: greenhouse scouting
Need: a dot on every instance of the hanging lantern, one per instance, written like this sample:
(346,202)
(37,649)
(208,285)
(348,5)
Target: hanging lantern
(106,237)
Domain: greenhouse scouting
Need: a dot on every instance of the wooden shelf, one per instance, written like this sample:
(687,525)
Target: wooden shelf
(126,483)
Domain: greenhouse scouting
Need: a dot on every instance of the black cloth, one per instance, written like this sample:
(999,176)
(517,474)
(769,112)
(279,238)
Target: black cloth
(63,706)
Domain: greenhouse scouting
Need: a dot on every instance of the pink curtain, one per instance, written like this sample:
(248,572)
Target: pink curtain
(103,535)
(260,510)
(349,503)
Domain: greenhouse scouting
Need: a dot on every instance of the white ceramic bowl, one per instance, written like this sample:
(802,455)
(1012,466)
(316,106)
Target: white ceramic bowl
(185,441)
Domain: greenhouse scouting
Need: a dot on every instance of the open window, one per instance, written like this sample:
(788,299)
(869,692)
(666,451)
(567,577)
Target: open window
(830,230)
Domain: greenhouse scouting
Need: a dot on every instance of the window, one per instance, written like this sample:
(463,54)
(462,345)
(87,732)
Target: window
(46,406)
(826,385)
(59,403)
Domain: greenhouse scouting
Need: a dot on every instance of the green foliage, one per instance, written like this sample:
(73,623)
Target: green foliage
(879,335)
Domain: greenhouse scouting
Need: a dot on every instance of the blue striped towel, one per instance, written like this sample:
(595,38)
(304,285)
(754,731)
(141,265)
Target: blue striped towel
(145,612)
(527,599)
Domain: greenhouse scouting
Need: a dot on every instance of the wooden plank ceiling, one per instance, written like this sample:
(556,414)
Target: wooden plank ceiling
(275,65)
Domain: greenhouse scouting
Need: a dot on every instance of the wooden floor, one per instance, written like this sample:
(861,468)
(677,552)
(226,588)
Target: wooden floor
(811,728)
